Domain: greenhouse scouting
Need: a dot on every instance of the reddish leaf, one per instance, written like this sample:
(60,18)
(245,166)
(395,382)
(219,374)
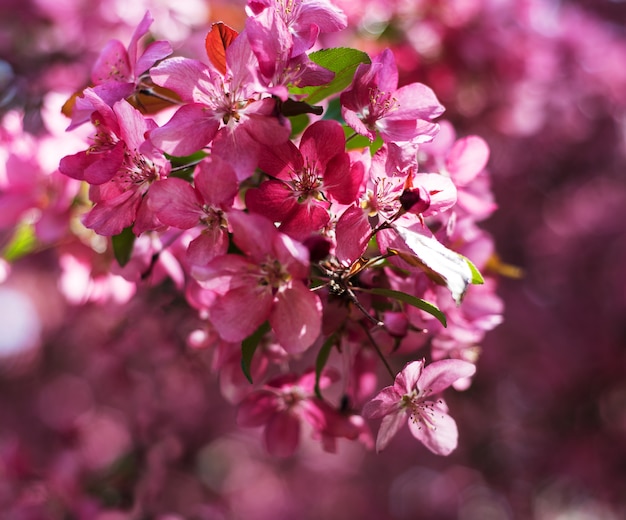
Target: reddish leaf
(217,41)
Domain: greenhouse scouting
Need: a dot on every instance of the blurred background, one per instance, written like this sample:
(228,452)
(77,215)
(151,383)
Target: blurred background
(103,405)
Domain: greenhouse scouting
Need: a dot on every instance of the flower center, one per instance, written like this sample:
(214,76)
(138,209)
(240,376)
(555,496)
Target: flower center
(306,182)
(273,274)
(380,103)
(137,172)
(420,411)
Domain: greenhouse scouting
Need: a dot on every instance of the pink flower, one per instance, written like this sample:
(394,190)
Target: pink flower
(222,109)
(304,19)
(118,72)
(305,179)
(178,204)
(412,395)
(273,45)
(283,403)
(375,103)
(120,166)
(267,282)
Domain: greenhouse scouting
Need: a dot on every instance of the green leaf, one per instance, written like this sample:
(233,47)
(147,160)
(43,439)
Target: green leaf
(333,111)
(23,242)
(320,362)
(343,62)
(183,167)
(123,245)
(298,124)
(248,348)
(477,278)
(428,307)
(357,141)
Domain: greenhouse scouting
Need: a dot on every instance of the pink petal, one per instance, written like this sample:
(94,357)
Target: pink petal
(304,220)
(272,199)
(389,426)
(416,101)
(467,158)
(253,234)
(341,181)
(441,374)
(216,181)
(112,64)
(270,41)
(406,381)
(190,129)
(438,432)
(281,161)
(386,71)
(241,311)
(352,232)
(386,402)
(141,30)
(292,255)
(210,244)
(354,121)
(441,189)
(263,125)
(110,217)
(322,141)
(282,434)
(154,52)
(133,126)
(257,408)
(237,146)
(296,317)
(190,79)
(176,203)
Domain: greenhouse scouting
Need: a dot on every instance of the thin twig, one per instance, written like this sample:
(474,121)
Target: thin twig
(378,351)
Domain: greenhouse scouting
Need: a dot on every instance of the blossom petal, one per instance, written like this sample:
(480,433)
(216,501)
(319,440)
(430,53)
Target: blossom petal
(190,129)
(216,181)
(353,232)
(240,311)
(322,141)
(212,242)
(257,408)
(176,203)
(385,403)
(406,381)
(439,375)
(282,434)
(296,317)
(467,158)
(438,432)
(389,426)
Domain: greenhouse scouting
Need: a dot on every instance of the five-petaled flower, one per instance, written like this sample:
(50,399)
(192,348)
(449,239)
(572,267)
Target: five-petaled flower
(412,395)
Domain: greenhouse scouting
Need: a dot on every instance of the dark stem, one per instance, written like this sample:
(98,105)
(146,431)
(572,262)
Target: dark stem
(378,351)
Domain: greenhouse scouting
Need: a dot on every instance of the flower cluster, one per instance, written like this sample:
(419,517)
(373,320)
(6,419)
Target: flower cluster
(314,212)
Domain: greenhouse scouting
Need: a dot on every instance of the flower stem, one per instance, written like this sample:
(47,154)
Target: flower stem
(378,351)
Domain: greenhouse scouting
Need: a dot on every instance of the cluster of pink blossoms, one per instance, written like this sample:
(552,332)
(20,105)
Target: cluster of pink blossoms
(317,242)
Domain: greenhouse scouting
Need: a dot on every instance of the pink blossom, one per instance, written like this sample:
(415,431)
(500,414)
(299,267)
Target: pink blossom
(374,104)
(304,19)
(412,395)
(267,282)
(119,165)
(178,204)
(273,45)
(118,72)
(225,110)
(283,403)
(304,180)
